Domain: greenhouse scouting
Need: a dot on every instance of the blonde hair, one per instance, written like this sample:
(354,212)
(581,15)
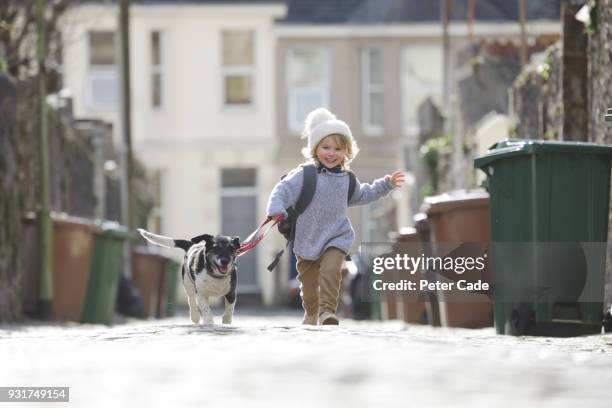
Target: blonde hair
(350,150)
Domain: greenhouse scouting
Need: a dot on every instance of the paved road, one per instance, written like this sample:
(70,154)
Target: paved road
(268,360)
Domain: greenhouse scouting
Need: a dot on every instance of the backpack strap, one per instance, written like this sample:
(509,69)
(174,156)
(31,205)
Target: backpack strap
(309,185)
(352,185)
(308,189)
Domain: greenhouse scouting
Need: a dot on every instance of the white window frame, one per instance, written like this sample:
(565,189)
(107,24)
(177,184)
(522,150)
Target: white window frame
(294,122)
(241,70)
(157,69)
(368,89)
(101,73)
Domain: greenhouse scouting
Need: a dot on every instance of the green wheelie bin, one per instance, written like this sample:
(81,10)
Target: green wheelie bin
(105,271)
(171,276)
(549,224)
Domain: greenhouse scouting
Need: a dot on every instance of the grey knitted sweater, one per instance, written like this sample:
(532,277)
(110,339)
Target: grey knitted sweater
(324,223)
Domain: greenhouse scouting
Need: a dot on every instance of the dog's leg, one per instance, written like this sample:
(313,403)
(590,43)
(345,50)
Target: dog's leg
(230,299)
(194,310)
(207,316)
(229,310)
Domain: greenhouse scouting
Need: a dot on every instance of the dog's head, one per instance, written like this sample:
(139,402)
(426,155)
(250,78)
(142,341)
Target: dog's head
(220,253)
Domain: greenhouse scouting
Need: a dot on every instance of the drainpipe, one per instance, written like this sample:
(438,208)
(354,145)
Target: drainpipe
(127,207)
(607,321)
(45,223)
(522,23)
(445,14)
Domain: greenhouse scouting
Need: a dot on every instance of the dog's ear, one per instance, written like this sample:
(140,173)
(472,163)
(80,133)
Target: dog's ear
(209,239)
(236,242)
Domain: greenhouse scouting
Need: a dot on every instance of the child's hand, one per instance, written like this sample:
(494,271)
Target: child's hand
(278,217)
(397,179)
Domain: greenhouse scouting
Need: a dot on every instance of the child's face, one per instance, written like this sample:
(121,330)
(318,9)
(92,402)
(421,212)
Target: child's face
(329,152)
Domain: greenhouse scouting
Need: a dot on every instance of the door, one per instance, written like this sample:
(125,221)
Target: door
(239,218)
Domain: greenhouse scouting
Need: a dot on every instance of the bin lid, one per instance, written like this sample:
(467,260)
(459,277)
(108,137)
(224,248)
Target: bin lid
(455,200)
(114,230)
(421,223)
(522,147)
(403,234)
(150,250)
(408,234)
(63,220)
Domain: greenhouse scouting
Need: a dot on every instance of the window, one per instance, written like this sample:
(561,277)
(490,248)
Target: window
(308,83)
(238,71)
(231,178)
(372,90)
(102,81)
(156,69)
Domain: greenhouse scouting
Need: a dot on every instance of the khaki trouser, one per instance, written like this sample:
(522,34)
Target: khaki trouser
(324,273)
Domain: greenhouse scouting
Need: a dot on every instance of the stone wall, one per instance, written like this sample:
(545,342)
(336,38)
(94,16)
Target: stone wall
(70,157)
(10,205)
(553,96)
(600,92)
(538,93)
(537,102)
(600,72)
(575,75)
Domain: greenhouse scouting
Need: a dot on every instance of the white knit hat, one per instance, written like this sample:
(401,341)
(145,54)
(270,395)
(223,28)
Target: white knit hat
(321,123)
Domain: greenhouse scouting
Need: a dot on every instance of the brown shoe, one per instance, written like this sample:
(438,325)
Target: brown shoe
(328,319)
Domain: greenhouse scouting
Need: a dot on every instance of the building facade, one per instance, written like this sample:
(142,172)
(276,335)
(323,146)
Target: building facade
(203,110)
(220,90)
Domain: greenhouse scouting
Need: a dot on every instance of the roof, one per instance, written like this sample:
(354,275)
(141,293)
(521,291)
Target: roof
(191,2)
(413,11)
(382,11)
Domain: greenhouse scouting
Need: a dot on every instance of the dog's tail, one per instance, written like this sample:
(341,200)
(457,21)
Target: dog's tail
(164,241)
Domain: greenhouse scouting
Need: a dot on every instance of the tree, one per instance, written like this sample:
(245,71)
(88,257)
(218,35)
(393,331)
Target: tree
(18,38)
(19,97)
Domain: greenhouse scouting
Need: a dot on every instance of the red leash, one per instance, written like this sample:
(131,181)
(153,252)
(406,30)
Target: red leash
(255,238)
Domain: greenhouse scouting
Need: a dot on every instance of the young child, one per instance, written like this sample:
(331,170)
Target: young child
(324,234)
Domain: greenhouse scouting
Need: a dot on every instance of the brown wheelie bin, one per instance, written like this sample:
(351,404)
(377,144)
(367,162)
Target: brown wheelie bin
(432,309)
(454,218)
(412,304)
(148,276)
(72,249)
(389,300)
(73,240)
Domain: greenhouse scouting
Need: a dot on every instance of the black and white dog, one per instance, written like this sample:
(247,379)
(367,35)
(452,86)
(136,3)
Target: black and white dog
(208,271)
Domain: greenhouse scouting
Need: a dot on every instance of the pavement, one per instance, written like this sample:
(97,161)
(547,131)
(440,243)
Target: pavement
(266,358)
